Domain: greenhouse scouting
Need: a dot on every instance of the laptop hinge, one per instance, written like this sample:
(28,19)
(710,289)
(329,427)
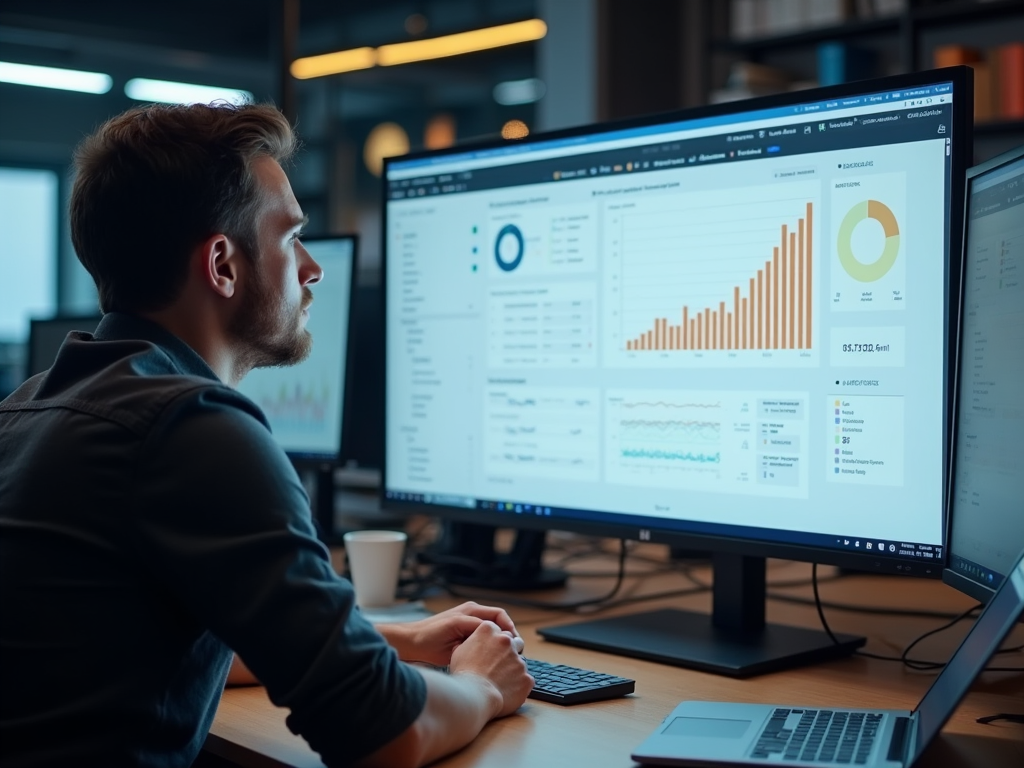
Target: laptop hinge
(899,742)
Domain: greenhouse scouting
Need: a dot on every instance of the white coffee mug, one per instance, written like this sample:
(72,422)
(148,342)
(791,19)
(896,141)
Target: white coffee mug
(374,561)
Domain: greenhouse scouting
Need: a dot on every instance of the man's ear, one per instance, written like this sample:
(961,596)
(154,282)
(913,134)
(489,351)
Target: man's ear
(218,263)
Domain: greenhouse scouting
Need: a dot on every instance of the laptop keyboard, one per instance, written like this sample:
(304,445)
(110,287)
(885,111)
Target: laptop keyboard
(562,684)
(820,736)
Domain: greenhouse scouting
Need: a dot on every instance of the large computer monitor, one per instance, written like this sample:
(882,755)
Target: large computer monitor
(724,328)
(986,527)
(305,403)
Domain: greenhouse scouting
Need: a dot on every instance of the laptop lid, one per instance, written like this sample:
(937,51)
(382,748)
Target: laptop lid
(984,639)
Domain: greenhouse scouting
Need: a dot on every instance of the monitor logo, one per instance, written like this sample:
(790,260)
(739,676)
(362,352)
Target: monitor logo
(645,535)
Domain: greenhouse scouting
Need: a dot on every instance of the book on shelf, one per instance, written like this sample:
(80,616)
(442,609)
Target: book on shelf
(998,78)
(751,19)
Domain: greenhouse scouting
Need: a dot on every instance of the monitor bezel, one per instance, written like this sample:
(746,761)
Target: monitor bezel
(310,458)
(958,581)
(962,125)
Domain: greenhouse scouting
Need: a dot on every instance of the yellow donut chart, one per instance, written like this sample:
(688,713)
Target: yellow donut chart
(858,270)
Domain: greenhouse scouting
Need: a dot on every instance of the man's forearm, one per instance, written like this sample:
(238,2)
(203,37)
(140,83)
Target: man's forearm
(457,708)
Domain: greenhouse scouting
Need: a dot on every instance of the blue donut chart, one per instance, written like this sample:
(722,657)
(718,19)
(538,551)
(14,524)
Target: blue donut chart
(509,230)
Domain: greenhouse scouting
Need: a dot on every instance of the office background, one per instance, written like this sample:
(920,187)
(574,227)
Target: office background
(592,60)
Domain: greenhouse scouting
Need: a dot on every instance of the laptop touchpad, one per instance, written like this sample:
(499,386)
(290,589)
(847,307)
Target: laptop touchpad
(707,727)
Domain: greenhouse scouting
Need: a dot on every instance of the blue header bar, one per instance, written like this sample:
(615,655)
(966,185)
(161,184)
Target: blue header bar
(815,107)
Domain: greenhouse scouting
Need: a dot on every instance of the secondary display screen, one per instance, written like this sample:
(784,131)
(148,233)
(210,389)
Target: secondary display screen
(304,403)
(733,325)
(987,528)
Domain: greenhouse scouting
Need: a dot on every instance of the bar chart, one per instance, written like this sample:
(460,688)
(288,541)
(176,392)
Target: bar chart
(772,311)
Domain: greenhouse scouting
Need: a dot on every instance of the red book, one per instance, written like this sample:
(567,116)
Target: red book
(1011,81)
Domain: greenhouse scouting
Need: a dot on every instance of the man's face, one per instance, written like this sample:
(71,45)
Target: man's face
(270,322)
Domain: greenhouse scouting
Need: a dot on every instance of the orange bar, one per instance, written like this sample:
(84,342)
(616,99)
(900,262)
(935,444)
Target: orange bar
(664,333)
(714,331)
(707,327)
(736,317)
(755,299)
(687,341)
(693,343)
(743,309)
(700,336)
(629,345)
(649,343)
(792,289)
(810,315)
(783,275)
(751,311)
(775,301)
(721,325)
(800,288)
(657,333)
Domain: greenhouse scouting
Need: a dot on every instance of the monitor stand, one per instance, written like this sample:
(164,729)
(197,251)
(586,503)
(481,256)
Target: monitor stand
(734,640)
(465,555)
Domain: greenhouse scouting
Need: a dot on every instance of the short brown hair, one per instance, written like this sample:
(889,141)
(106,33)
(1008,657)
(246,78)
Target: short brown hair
(154,182)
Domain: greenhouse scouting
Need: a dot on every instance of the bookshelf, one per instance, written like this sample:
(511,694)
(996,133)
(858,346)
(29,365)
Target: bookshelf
(889,37)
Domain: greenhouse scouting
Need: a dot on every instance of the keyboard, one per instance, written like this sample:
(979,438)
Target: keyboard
(820,735)
(561,684)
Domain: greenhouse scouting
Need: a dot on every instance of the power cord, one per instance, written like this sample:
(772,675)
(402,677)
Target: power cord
(904,657)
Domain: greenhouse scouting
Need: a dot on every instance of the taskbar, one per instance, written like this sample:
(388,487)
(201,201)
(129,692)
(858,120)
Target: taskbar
(876,546)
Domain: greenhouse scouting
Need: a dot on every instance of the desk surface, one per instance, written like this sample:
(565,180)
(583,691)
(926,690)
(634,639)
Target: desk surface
(250,731)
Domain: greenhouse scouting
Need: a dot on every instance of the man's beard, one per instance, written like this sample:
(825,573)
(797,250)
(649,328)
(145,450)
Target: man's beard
(268,337)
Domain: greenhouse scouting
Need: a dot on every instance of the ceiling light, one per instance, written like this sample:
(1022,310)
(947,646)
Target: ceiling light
(169,92)
(52,77)
(463,42)
(515,129)
(385,140)
(519,91)
(333,63)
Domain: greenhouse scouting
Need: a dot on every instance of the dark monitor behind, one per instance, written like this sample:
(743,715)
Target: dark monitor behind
(986,526)
(723,329)
(306,403)
(45,335)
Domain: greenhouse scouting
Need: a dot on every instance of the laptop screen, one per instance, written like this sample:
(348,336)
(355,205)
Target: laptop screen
(981,642)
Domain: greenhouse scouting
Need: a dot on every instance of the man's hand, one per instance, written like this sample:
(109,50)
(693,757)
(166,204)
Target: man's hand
(491,654)
(435,639)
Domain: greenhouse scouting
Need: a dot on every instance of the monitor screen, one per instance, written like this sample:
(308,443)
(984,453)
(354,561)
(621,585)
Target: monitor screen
(46,335)
(986,525)
(304,403)
(723,328)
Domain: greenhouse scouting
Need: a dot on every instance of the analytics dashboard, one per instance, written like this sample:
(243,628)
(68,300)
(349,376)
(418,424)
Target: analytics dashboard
(737,321)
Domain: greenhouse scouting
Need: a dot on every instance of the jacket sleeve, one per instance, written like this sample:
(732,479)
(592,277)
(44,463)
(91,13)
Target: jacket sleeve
(226,527)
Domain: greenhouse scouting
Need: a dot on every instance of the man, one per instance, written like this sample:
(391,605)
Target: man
(149,525)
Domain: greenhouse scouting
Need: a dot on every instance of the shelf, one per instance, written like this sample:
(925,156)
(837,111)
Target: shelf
(965,11)
(998,127)
(812,36)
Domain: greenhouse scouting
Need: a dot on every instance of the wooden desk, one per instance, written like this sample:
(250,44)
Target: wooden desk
(250,731)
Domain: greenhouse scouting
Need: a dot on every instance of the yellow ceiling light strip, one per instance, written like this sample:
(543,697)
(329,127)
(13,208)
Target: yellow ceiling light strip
(334,63)
(419,50)
(463,42)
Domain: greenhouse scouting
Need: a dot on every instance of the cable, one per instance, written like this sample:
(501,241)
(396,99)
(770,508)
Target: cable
(524,603)
(904,657)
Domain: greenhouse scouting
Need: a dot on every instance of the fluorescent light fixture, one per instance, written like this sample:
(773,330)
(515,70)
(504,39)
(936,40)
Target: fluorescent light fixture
(462,42)
(334,63)
(169,92)
(52,77)
(519,91)
(419,50)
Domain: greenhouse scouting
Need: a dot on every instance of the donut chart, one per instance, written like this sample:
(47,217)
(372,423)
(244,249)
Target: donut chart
(509,247)
(859,270)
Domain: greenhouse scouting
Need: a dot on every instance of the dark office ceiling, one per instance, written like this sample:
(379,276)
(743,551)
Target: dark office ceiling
(250,29)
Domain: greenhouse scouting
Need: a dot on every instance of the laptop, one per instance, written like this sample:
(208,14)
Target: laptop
(711,734)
